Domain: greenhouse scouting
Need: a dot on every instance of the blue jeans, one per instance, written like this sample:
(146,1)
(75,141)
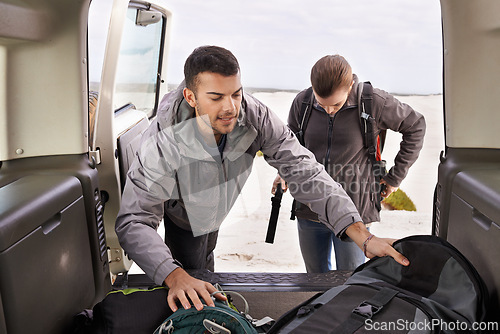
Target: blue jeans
(316,242)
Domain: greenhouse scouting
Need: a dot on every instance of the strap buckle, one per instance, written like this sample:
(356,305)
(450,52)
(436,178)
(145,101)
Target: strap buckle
(367,310)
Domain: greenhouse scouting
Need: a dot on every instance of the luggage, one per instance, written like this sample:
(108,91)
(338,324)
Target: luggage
(145,310)
(222,318)
(439,292)
(126,311)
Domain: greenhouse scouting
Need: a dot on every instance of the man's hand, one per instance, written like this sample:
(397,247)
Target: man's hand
(278,180)
(388,189)
(374,246)
(183,288)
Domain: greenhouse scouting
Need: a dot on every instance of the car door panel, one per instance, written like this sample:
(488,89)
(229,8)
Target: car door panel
(53,254)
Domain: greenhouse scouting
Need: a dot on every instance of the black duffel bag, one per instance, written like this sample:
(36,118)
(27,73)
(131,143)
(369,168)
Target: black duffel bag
(122,311)
(439,292)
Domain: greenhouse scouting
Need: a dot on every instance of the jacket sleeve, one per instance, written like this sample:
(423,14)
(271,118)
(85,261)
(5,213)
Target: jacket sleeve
(307,179)
(150,182)
(400,117)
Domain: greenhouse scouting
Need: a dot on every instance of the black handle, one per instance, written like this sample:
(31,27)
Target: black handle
(273,220)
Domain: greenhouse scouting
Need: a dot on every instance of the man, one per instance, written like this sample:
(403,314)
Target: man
(193,161)
(333,133)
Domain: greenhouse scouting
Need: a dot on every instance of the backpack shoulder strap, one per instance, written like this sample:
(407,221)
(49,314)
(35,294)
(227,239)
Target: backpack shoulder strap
(304,114)
(365,98)
(366,118)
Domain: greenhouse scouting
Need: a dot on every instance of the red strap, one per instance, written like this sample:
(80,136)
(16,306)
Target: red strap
(379,155)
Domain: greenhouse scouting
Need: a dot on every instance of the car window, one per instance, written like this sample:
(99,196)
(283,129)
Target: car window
(138,65)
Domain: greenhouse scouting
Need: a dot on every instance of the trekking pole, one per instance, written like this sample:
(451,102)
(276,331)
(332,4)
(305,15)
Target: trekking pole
(273,220)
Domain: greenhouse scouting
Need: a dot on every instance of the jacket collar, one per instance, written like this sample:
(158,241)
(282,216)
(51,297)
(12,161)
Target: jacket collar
(352,99)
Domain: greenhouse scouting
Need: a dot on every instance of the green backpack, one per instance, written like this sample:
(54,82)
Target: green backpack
(223,318)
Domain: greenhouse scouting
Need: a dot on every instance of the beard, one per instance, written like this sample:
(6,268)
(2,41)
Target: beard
(217,125)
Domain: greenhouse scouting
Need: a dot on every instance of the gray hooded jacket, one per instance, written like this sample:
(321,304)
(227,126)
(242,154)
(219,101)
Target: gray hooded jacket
(175,174)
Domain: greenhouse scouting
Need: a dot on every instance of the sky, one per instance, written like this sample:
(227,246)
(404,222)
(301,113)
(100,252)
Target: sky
(395,44)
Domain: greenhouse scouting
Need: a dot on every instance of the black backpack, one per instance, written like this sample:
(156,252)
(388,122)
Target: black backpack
(374,144)
(130,310)
(439,292)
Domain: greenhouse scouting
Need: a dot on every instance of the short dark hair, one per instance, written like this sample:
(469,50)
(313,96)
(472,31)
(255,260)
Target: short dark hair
(209,59)
(330,73)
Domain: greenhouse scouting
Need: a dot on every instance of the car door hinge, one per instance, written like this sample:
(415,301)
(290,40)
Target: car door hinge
(95,158)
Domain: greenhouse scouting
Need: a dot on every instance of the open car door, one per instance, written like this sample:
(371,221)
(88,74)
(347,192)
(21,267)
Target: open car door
(61,160)
(467,197)
(127,78)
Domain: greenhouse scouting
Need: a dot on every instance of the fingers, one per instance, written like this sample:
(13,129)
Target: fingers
(383,247)
(387,189)
(188,290)
(384,186)
(220,296)
(284,185)
(277,181)
(186,298)
(171,300)
(372,245)
(400,258)
(193,296)
(211,289)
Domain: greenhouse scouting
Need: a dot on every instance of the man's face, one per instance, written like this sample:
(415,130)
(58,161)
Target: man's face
(334,102)
(217,102)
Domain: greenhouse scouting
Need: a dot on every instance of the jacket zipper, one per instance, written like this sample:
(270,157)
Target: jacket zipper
(224,172)
(330,135)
